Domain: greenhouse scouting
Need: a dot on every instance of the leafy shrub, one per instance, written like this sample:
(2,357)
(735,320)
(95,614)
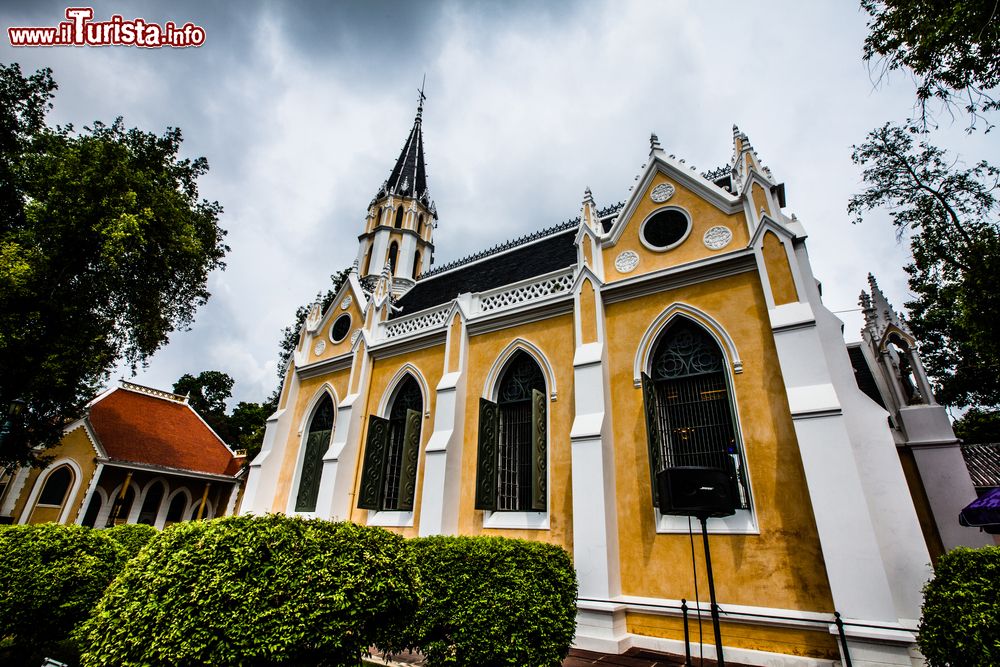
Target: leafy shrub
(960,625)
(50,578)
(254,591)
(492,601)
(132,537)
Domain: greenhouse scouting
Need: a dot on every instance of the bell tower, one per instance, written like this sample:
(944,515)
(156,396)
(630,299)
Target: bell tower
(401,219)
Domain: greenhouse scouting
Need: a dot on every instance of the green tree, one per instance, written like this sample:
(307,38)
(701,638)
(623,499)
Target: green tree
(207,393)
(247,423)
(948,212)
(951,48)
(105,249)
(978,426)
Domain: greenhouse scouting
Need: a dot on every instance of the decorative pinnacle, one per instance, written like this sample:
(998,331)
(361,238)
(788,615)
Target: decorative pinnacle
(588,196)
(421,98)
(654,144)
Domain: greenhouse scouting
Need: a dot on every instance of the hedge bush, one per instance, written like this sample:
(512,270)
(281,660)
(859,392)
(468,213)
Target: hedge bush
(960,625)
(491,601)
(132,537)
(50,578)
(254,591)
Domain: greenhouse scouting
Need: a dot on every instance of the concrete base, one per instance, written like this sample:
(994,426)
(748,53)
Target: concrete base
(600,626)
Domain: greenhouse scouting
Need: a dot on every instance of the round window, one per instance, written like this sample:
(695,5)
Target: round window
(665,230)
(341,326)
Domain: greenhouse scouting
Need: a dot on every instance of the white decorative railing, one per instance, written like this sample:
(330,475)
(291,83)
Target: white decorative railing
(517,295)
(416,322)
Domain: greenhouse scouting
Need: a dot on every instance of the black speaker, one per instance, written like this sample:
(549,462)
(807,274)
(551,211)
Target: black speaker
(696,491)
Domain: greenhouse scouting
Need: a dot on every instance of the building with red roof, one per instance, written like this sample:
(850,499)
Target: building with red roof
(139,455)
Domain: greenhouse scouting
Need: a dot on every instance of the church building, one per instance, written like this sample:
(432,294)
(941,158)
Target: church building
(534,390)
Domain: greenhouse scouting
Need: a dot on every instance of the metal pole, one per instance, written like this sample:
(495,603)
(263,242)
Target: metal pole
(711,593)
(843,638)
(687,638)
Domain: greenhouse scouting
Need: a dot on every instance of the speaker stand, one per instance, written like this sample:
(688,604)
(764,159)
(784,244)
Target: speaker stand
(711,593)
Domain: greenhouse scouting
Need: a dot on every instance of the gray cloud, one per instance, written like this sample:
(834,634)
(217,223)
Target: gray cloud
(301,109)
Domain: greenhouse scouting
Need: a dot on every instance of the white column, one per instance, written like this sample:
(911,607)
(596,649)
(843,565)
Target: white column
(404,264)
(262,476)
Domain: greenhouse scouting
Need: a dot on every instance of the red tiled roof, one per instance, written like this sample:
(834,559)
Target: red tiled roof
(142,428)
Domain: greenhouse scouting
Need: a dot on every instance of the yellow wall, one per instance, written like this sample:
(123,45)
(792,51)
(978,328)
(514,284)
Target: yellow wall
(554,338)
(588,312)
(343,347)
(304,400)
(760,199)
(455,341)
(791,641)
(75,445)
(783,565)
(779,273)
(429,362)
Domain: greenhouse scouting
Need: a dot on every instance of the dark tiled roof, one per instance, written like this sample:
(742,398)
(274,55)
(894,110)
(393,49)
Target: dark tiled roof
(409,176)
(533,258)
(863,374)
(983,461)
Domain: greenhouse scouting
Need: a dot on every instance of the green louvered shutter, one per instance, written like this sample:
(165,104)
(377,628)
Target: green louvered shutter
(312,469)
(370,494)
(653,436)
(486,464)
(539,463)
(408,464)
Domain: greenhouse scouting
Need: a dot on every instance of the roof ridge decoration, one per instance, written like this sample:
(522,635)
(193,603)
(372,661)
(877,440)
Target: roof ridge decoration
(879,314)
(151,391)
(742,145)
(408,177)
(501,247)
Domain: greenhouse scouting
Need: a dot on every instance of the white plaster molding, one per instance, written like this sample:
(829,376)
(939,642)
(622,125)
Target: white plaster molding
(717,238)
(684,237)
(393,385)
(490,386)
(626,261)
(700,317)
(40,481)
(92,488)
(516,520)
(390,518)
(662,193)
(326,389)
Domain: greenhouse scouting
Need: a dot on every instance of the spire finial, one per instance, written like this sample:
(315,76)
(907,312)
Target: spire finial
(421,97)
(654,145)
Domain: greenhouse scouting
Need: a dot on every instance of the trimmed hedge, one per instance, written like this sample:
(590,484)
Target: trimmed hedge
(960,625)
(492,601)
(132,537)
(254,591)
(50,577)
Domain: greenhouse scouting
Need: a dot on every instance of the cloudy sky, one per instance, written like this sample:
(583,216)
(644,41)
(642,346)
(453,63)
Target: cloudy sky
(302,107)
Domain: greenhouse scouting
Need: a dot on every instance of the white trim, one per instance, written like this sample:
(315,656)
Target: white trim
(103,517)
(39,484)
(490,385)
(390,518)
(670,246)
(103,496)
(744,522)
(518,520)
(91,488)
(392,386)
(311,405)
(700,317)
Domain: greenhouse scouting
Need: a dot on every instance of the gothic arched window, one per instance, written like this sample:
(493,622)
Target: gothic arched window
(121,508)
(511,470)
(393,253)
(389,478)
(689,412)
(175,512)
(399,218)
(420,224)
(56,487)
(416,265)
(316,443)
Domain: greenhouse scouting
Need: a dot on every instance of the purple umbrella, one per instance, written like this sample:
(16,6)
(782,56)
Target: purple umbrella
(983,512)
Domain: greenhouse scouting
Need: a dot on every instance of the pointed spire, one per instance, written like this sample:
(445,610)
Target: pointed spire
(878,312)
(409,176)
(745,158)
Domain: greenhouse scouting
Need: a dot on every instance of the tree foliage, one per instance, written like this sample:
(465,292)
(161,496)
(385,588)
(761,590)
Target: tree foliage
(977,426)
(960,623)
(207,393)
(50,577)
(105,249)
(948,212)
(269,590)
(951,48)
